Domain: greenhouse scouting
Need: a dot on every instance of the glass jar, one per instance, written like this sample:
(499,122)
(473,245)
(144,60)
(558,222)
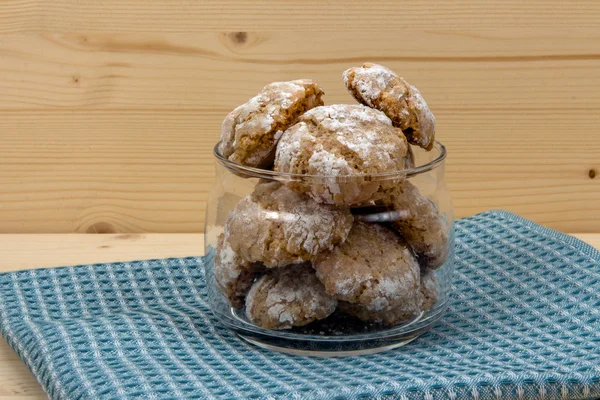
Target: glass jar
(287,271)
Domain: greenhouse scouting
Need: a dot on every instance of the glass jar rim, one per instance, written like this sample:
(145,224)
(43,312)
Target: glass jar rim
(268,174)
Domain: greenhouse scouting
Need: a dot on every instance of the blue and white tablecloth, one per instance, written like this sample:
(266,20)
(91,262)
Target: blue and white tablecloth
(523,322)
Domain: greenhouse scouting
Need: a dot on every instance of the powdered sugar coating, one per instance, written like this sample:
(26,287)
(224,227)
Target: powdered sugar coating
(408,309)
(233,275)
(422,226)
(373,267)
(424,300)
(377,86)
(341,144)
(250,132)
(371,80)
(277,226)
(430,288)
(288,296)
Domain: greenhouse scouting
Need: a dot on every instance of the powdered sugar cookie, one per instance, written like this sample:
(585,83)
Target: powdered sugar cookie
(424,300)
(277,226)
(288,296)
(377,86)
(405,311)
(250,132)
(232,274)
(421,225)
(430,289)
(343,142)
(373,267)
(409,161)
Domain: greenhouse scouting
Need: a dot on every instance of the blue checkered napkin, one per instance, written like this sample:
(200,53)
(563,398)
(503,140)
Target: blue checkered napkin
(524,322)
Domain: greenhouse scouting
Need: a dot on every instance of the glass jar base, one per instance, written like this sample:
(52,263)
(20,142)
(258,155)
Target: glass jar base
(326,344)
(300,348)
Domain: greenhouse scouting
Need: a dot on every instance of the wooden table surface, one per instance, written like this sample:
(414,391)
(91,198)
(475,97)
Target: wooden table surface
(23,251)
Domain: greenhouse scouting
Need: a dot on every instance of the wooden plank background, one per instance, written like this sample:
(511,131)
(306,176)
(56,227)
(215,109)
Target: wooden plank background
(109,108)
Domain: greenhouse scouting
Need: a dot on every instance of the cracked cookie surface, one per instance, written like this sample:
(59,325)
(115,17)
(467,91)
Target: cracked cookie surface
(430,288)
(340,144)
(422,226)
(250,132)
(373,268)
(233,275)
(288,296)
(277,226)
(379,87)
(423,300)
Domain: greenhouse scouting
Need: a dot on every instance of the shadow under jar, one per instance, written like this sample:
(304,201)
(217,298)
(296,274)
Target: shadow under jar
(291,268)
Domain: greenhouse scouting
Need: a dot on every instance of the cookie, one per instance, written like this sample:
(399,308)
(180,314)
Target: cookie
(340,144)
(250,132)
(233,275)
(288,296)
(430,289)
(424,300)
(373,267)
(376,86)
(420,223)
(409,161)
(277,226)
(401,313)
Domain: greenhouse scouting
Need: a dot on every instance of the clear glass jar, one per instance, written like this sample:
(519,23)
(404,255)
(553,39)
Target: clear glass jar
(383,264)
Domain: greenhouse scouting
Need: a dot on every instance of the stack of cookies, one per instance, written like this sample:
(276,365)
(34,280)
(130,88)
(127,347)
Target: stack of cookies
(302,246)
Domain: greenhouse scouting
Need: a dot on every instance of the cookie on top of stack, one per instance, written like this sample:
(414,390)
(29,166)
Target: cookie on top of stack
(292,252)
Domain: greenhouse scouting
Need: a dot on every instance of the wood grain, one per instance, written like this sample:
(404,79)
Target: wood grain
(16,381)
(45,250)
(35,251)
(153,172)
(109,110)
(219,71)
(282,15)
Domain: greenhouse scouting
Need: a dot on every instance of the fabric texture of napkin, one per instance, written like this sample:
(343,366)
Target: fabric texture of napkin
(523,322)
